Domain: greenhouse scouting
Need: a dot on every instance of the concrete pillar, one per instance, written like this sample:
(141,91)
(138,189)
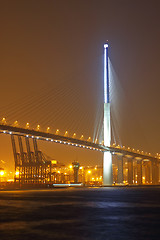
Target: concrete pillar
(139,172)
(120,169)
(154,166)
(147,171)
(130,170)
(107,169)
(107,158)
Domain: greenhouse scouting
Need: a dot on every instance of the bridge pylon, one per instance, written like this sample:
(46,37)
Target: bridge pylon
(107,157)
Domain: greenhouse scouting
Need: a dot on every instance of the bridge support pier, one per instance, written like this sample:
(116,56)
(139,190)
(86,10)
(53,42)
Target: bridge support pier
(154,167)
(107,169)
(130,170)
(120,169)
(139,172)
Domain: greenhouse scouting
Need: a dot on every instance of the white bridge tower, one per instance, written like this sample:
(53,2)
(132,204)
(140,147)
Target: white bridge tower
(107,158)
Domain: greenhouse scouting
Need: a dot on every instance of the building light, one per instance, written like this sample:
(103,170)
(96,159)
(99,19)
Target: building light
(17,173)
(1,173)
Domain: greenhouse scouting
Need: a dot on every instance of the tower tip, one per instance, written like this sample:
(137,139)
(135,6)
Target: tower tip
(106,44)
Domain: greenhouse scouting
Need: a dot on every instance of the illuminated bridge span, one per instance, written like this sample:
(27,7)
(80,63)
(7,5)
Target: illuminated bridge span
(33,165)
(28,133)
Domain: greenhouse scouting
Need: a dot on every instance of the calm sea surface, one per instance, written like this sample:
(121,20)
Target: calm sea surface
(87,213)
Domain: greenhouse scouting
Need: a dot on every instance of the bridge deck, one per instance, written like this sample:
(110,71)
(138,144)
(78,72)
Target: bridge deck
(71,141)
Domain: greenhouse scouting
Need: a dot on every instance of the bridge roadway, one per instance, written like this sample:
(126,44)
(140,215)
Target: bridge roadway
(31,133)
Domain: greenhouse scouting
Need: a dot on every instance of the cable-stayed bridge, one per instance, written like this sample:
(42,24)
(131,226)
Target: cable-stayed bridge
(36,159)
(33,164)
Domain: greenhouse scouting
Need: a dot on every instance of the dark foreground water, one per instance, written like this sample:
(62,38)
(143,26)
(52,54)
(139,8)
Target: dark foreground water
(95,213)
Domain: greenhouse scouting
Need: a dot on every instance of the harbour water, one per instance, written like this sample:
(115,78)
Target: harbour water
(81,213)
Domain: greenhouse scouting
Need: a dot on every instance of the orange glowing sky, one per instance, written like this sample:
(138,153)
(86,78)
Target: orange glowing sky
(51,70)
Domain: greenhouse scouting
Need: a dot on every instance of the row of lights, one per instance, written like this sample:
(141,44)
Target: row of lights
(62,142)
(90,148)
(66,134)
(15,124)
(133,150)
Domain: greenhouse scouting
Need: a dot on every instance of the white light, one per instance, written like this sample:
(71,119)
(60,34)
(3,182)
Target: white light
(64,142)
(4,131)
(51,140)
(83,146)
(32,136)
(10,132)
(60,141)
(37,137)
(69,143)
(105,45)
(72,144)
(56,141)
(26,135)
(46,139)
(105,74)
(76,145)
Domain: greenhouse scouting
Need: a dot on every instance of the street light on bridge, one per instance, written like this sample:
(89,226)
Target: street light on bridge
(38,127)
(27,125)
(48,129)
(57,132)
(82,137)
(4,122)
(74,135)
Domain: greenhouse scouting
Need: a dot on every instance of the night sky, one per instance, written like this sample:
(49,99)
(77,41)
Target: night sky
(51,70)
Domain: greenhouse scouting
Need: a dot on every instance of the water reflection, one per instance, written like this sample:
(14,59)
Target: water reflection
(101,213)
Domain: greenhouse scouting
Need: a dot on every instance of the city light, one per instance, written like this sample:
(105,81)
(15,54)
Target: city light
(17,173)
(1,173)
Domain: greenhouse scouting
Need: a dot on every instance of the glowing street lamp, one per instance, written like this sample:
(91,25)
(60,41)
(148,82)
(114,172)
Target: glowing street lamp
(27,125)
(38,127)
(57,131)
(82,137)
(66,134)
(4,121)
(15,124)
(74,135)
(48,129)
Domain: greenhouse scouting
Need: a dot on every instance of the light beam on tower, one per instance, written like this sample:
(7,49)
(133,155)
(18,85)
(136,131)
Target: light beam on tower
(107,158)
